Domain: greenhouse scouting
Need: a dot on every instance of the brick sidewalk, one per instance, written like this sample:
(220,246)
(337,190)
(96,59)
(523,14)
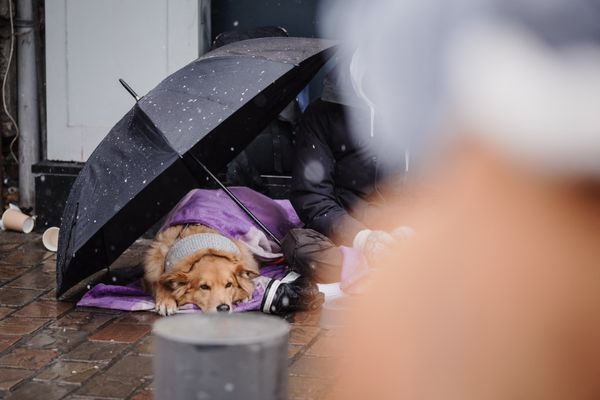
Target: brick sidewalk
(54,350)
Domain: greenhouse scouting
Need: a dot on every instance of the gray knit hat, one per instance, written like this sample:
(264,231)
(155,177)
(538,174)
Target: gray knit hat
(194,243)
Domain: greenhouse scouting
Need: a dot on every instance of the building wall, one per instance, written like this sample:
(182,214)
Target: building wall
(299,17)
(90,44)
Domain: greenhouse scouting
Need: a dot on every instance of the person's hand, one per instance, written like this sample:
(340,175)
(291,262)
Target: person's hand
(372,243)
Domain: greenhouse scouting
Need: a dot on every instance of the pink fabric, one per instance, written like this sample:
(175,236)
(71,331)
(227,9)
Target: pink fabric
(354,269)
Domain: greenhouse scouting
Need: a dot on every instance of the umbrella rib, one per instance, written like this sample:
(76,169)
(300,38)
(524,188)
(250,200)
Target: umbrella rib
(207,97)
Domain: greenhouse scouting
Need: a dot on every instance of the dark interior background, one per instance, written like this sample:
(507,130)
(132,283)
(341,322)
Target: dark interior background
(298,17)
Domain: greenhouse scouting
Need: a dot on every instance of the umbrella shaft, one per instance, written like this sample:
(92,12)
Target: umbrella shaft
(236,200)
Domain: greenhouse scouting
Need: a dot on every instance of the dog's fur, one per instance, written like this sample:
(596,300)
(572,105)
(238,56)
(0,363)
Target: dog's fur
(207,278)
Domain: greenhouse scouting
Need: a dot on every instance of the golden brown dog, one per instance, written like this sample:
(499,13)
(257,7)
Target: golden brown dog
(211,278)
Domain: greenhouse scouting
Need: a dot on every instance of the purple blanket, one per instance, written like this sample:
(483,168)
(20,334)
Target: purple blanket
(133,298)
(215,209)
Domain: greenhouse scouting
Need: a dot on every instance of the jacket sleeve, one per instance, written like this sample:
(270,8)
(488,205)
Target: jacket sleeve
(313,193)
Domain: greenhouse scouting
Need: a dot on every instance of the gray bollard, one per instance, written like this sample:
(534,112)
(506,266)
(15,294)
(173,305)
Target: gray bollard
(235,356)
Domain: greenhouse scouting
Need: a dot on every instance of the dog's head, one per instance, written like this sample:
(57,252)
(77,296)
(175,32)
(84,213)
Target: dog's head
(211,279)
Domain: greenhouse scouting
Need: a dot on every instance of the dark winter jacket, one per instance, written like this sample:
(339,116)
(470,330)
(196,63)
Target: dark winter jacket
(334,174)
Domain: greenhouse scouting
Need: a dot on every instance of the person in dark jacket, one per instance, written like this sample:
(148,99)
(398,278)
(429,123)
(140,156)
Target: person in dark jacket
(335,184)
(264,155)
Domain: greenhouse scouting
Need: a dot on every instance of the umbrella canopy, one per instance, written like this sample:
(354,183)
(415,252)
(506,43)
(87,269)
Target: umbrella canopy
(208,111)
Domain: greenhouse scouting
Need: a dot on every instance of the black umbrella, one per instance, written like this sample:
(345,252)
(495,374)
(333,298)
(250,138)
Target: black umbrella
(195,121)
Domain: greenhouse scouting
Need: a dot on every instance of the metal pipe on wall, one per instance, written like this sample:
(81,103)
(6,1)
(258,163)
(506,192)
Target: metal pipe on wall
(27,100)
(204,27)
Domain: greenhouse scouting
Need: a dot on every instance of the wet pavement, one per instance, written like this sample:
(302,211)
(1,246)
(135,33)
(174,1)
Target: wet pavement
(51,349)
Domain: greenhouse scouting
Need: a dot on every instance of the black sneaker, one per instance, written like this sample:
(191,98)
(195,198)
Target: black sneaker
(290,294)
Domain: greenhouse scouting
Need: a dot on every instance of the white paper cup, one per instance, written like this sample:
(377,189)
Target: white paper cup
(50,238)
(15,220)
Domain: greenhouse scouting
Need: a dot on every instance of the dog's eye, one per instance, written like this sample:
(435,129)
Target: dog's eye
(205,287)
(229,284)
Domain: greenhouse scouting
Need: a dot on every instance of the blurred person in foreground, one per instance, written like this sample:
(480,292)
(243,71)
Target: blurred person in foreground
(498,295)
(338,180)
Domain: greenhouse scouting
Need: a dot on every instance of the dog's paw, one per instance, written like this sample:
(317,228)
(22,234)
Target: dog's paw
(166,307)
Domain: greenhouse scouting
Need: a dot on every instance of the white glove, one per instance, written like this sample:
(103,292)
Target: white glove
(373,243)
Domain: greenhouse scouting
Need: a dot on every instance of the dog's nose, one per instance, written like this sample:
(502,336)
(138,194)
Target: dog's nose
(223,307)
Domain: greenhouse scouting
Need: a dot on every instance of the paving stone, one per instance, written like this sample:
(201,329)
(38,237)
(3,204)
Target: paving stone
(303,335)
(6,247)
(314,367)
(102,386)
(144,394)
(140,318)
(51,295)
(132,366)
(40,390)
(49,266)
(10,377)
(105,311)
(119,332)
(20,326)
(335,391)
(120,380)
(325,347)
(61,340)
(307,318)
(31,253)
(97,352)
(124,364)
(34,279)
(4,311)
(9,272)
(293,350)
(7,341)
(68,372)
(28,358)
(145,347)
(44,309)
(18,237)
(17,297)
(334,332)
(304,388)
(82,320)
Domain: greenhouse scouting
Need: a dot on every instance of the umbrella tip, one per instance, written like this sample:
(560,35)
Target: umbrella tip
(130,90)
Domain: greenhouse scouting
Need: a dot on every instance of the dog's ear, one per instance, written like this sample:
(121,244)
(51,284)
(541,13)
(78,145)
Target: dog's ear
(163,248)
(175,281)
(244,278)
(245,272)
